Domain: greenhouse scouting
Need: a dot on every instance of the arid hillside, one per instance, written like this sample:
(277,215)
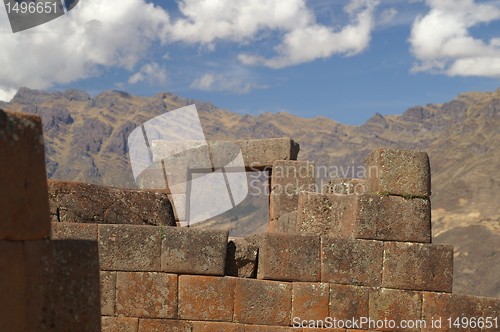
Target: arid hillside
(86,141)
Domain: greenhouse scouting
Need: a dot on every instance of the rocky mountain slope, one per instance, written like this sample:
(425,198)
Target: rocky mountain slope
(86,141)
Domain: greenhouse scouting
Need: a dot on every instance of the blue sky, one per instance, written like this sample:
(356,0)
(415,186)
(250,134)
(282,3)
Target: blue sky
(344,60)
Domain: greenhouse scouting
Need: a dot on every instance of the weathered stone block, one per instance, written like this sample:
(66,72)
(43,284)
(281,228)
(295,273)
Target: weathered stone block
(287,223)
(62,285)
(357,305)
(119,324)
(453,306)
(261,153)
(91,203)
(263,328)
(395,305)
(217,327)
(12,287)
(108,292)
(194,251)
(206,298)
(75,231)
(351,261)
(130,247)
(163,325)
(262,302)
(287,180)
(152,177)
(310,300)
(418,266)
(344,186)
(241,259)
(146,294)
(23,193)
(398,172)
(287,257)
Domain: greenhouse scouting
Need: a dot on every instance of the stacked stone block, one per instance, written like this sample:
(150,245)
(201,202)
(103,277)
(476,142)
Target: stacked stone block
(45,285)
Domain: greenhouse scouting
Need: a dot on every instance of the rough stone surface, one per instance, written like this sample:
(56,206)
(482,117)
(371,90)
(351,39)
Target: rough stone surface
(264,152)
(62,286)
(120,324)
(163,325)
(357,305)
(108,292)
(287,257)
(263,328)
(23,193)
(130,247)
(344,186)
(397,305)
(75,231)
(12,286)
(285,224)
(288,178)
(152,177)
(418,266)
(310,300)
(351,261)
(90,203)
(241,259)
(398,172)
(217,327)
(194,251)
(146,294)
(206,298)
(262,302)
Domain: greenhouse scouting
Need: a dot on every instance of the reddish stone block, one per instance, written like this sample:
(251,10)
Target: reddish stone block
(287,257)
(23,193)
(217,327)
(90,203)
(287,180)
(351,261)
(62,285)
(263,328)
(12,287)
(130,247)
(206,298)
(75,231)
(262,302)
(395,305)
(164,325)
(285,224)
(355,307)
(418,266)
(146,294)
(344,186)
(450,307)
(241,259)
(120,324)
(108,292)
(194,251)
(310,300)
(490,307)
(398,172)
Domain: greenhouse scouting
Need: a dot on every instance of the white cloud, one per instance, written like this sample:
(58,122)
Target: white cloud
(218,82)
(441,41)
(151,72)
(387,15)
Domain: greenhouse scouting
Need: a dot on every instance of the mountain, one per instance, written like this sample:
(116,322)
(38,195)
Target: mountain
(86,141)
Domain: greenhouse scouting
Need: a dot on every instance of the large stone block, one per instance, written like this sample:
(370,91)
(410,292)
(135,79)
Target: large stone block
(120,324)
(344,186)
(418,266)
(262,302)
(261,153)
(287,257)
(90,203)
(355,307)
(263,328)
(287,223)
(206,298)
(287,180)
(75,231)
(390,307)
(62,285)
(194,251)
(108,293)
(398,172)
(241,259)
(130,247)
(146,294)
(164,325)
(351,261)
(23,193)
(310,300)
(217,327)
